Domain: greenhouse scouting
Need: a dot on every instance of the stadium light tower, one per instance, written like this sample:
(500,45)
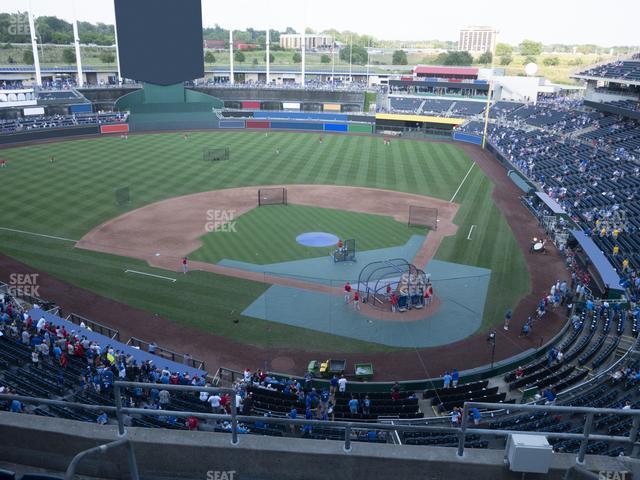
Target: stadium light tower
(231,80)
(303,37)
(268,60)
(34,46)
(115,34)
(76,41)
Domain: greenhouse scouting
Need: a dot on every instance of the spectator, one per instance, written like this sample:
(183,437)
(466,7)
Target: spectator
(446,379)
(342,384)
(455,377)
(353,405)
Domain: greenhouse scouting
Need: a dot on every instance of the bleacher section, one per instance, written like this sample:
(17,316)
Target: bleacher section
(58,121)
(441,107)
(621,70)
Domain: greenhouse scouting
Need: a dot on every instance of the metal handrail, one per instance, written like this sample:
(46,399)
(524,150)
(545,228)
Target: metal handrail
(347,426)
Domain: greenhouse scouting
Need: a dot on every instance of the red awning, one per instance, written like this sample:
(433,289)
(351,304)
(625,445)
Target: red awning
(424,70)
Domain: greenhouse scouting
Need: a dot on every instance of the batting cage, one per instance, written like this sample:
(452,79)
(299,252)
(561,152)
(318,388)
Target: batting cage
(215,154)
(272,196)
(423,217)
(378,281)
(122,196)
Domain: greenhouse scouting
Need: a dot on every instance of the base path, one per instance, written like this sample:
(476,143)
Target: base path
(164,232)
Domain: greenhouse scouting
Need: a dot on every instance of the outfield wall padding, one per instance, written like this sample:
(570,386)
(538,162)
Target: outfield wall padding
(360,128)
(117,128)
(297,125)
(236,123)
(336,127)
(257,124)
(467,137)
(46,134)
(302,116)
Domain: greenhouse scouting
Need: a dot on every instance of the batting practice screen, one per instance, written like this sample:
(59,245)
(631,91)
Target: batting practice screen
(423,217)
(216,154)
(272,196)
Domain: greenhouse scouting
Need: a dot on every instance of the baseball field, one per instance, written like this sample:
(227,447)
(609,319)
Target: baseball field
(49,206)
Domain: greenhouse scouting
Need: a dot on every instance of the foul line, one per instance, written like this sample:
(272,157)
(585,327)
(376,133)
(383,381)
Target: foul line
(470,232)
(150,275)
(461,183)
(39,234)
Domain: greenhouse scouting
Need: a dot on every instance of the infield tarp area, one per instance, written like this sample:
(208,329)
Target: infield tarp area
(323,270)
(461,290)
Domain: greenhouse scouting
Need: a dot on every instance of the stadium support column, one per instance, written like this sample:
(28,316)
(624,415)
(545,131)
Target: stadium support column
(231,80)
(303,46)
(268,60)
(76,40)
(34,46)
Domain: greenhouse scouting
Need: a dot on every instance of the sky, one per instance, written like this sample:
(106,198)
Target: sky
(548,21)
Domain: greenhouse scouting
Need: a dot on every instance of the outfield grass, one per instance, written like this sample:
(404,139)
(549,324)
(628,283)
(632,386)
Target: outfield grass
(76,193)
(268,234)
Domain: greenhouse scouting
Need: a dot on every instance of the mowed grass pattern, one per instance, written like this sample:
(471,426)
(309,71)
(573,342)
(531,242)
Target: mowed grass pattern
(268,234)
(76,193)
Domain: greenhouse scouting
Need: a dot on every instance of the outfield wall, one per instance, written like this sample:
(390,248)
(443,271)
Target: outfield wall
(295,121)
(467,138)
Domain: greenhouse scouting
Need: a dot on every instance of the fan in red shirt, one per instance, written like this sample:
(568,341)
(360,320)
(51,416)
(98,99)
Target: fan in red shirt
(192,423)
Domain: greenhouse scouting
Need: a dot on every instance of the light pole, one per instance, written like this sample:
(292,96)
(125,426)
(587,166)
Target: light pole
(491,340)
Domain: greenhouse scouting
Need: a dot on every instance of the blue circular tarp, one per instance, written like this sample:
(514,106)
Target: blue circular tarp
(317,239)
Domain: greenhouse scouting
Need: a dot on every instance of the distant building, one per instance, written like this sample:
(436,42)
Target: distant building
(214,44)
(244,46)
(477,39)
(311,41)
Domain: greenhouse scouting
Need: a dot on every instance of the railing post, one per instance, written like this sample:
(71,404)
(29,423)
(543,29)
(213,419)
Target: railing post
(347,438)
(633,436)
(234,421)
(116,393)
(133,464)
(583,445)
(463,430)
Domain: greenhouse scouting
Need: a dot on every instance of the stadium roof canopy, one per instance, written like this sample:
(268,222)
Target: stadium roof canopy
(606,271)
